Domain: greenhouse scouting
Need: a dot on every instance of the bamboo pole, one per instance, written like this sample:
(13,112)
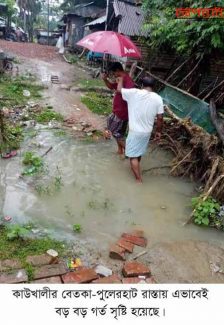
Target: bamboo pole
(177,69)
(195,67)
(209,94)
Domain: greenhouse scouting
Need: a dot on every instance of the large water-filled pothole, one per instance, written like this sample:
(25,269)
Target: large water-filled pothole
(99,194)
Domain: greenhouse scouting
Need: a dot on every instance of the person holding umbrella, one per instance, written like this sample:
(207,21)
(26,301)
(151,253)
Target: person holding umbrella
(110,42)
(118,120)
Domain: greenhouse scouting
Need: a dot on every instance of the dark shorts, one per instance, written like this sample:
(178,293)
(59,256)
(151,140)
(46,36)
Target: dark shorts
(117,126)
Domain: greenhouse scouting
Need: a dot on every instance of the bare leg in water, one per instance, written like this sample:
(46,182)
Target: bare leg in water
(121,146)
(135,166)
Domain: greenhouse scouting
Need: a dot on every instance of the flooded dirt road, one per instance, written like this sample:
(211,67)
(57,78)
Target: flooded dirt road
(100,195)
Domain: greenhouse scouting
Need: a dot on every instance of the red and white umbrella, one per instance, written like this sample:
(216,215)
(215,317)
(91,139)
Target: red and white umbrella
(109,42)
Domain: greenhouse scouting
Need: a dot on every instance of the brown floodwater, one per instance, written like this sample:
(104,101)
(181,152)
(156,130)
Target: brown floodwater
(98,193)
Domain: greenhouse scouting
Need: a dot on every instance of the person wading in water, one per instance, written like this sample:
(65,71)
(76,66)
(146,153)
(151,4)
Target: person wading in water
(144,107)
(117,121)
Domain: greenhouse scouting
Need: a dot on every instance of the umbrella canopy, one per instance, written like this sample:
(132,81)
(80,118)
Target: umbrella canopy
(109,42)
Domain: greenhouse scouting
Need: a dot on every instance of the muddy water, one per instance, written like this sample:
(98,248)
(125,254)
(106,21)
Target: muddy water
(99,193)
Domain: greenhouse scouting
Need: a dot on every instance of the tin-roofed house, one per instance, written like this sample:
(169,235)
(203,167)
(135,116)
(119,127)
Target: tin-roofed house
(77,19)
(127,17)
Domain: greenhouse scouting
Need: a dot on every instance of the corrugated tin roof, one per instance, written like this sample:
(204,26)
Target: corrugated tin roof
(100,20)
(131,18)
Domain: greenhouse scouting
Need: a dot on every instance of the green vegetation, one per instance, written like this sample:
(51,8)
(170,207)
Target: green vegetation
(13,89)
(106,204)
(29,271)
(48,115)
(52,188)
(72,58)
(97,103)
(16,232)
(89,83)
(12,135)
(33,162)
(20,248)
(206,213)
(59,133)
(202,36)
(77,228)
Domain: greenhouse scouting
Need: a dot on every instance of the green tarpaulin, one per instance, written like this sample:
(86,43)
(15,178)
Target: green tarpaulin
(186,106)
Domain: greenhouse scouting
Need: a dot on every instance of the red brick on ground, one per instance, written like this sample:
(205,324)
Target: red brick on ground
(53,280)
(18,276)
(83,276)
(126,245)
(134,269)
(138,233)
(117,253)
(109,279)
(47,271)
(139,241)
(6,265)
(38,260)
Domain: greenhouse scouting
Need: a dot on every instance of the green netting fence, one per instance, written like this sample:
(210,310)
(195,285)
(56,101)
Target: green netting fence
(185,106)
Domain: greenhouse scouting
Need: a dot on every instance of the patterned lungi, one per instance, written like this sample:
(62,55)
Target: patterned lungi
(117,126)
(136,144)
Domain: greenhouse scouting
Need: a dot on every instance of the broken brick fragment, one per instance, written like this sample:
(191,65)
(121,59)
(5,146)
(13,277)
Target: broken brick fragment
(117,253)
(134,269)
(84,275)
(126,245)
(138,233)
(47,271)
(52,280)
(139,241)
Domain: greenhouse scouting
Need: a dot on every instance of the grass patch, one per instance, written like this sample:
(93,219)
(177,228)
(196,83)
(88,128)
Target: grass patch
(13,135)
(91,83)
(13,89)
(52,188)
(77,228)
(34,163)
(29,271)
(20,248)
(72,58)
(60,133)
(97,103)
(48,115)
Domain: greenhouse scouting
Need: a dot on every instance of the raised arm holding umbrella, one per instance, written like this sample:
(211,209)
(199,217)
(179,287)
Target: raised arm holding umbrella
(109,42)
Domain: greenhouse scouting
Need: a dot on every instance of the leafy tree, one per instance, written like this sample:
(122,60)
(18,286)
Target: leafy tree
(11,10)
(68,5)
(183,35)
(32,8)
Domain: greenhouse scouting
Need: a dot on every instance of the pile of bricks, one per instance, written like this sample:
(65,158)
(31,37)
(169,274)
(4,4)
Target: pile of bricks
(126,244)
(46,270)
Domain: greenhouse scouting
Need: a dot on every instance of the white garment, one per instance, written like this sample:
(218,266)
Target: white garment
(60,45)
(59,42)
(143,107)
